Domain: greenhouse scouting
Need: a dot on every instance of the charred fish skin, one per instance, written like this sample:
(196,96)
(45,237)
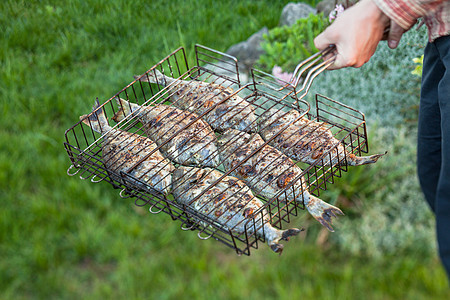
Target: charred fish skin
(198,96)
(268,172)
(121,150)
(230,203)
(194,145)
(306,141)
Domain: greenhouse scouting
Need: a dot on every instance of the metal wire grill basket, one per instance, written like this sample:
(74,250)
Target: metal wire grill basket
(89,158)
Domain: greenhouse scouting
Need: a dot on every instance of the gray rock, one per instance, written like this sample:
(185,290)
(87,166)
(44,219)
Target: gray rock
(249,51)
(294,11)
(326,6)
(246,53)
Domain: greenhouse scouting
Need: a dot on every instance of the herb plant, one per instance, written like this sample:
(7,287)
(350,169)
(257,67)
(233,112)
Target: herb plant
(286,46)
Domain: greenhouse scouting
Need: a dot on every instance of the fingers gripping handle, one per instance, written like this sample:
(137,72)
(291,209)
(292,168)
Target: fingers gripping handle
(328,54)
(312,66)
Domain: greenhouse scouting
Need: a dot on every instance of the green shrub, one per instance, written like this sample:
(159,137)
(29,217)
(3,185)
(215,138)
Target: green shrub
(386,213)
(286,46)
(418,70)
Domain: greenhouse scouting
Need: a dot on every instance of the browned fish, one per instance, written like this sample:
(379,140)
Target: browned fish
(121,150)
(199,96)
(194,145)
(268,172)
(305,140)
(230,203)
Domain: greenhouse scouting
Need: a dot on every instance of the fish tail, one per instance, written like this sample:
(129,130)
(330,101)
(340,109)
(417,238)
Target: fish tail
(125,108)
(97,119)
(322,211)
(154,76)
(274,236)
(354,160)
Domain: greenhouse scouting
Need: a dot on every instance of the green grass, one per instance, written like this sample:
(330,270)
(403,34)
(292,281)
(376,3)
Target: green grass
(62,237)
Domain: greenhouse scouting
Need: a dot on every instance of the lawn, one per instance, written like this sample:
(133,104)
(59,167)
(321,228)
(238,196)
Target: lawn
(65,238)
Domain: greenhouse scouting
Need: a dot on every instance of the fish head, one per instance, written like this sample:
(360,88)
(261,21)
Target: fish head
(181,177)
(231,139)
(188,175)
(207,157)
(119,116)
(270,118)
(248,124)
(125,109)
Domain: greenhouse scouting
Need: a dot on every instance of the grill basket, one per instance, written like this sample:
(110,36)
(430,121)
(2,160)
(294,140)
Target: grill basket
(264,92)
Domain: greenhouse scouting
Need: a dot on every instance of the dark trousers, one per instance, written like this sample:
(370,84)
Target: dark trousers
(433,152)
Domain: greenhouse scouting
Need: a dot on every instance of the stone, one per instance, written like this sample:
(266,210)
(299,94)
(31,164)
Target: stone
(249,51)
(294,11)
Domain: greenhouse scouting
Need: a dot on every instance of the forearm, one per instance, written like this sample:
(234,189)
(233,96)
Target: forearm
(406,12)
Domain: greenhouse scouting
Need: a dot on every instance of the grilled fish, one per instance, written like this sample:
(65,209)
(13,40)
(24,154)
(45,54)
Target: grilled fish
(305,140)
(193,146)
(230,203)
(121,150)
(268,172)
(199,96)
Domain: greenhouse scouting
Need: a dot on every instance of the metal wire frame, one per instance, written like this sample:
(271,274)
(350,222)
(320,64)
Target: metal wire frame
(212,185)
(94,150)
(84,146)
(227,173)
(347,124)
(192,219)
(344,117)
(216,62)
(312,66)
(315,67)
(76,142)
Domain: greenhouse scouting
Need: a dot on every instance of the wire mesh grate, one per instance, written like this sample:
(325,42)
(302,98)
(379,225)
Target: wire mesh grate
(236,162)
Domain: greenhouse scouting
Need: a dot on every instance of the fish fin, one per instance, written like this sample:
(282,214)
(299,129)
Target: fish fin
(286,234)
(96,119)
(154,76)
(125,108)
(277,248)
(322,211)
(363,160)
(274,236)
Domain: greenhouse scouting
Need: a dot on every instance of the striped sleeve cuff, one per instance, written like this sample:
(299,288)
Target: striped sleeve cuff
(405,12)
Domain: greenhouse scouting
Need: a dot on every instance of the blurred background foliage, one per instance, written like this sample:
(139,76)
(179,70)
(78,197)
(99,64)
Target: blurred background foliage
(286,46)
(61,237)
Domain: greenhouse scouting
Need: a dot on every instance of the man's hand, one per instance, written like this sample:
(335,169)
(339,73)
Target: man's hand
(356,34)
(395,34)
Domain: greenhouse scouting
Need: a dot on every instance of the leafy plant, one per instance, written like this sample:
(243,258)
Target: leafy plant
(286,46)
(418,70)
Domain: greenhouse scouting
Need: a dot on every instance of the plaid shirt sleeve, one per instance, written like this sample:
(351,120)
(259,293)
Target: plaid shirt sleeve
(436,14)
